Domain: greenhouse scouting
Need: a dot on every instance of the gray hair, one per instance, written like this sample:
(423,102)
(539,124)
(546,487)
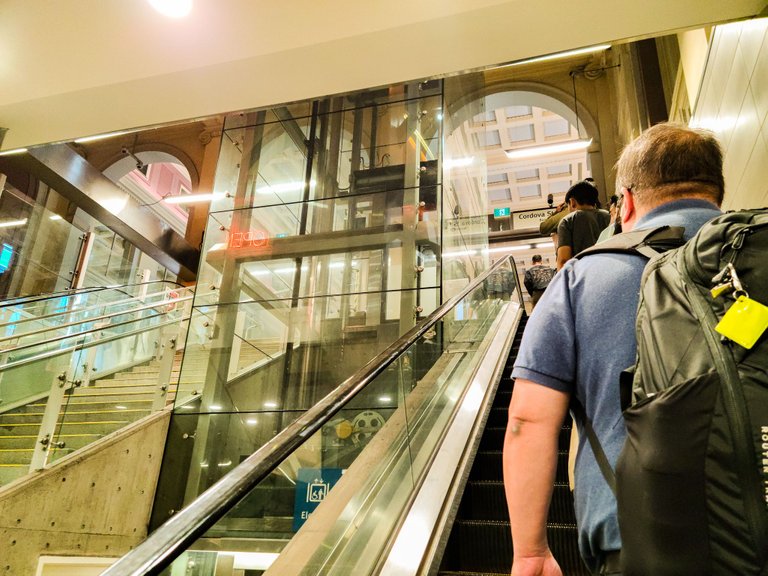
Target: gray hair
(670,161)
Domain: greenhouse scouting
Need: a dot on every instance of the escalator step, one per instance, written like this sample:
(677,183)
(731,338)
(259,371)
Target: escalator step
(486,547)
(488,466)
(493,438)
(485,500)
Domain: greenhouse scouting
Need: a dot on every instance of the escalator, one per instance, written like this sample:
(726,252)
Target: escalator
(382,503)
(480,542)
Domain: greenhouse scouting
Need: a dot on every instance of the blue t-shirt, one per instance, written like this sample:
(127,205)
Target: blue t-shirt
(578,340)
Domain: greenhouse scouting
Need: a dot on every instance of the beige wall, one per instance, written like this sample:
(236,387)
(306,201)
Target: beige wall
(733,102)
(85,67)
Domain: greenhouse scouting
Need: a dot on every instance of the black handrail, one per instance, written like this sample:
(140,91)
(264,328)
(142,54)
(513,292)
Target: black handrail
(166,543)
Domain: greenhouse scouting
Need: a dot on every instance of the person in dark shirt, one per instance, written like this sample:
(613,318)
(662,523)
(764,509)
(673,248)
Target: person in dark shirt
(537,278)
(581,228)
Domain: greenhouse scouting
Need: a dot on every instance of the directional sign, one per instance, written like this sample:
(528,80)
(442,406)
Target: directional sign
(501,212)
(530,218)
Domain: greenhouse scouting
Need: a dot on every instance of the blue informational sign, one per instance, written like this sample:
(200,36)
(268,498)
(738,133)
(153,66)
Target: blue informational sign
(5,257)
(281,235)
(312,486)
(500,212)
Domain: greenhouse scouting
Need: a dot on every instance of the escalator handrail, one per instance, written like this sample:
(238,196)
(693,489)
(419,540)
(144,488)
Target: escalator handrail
(166,543)
(75,291)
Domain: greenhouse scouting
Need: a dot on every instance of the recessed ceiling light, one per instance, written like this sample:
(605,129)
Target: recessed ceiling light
(172,8)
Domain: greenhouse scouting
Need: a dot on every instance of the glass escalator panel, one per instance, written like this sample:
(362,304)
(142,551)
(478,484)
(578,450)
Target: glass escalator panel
(360,467)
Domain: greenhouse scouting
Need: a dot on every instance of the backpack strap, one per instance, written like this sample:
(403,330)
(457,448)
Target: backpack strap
(648,242)
(594,443)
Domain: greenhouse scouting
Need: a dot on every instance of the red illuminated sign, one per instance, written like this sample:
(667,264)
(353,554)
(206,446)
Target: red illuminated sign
(249,239)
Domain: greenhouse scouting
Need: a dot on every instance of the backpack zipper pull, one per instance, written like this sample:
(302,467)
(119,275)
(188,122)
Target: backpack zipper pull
(727,279)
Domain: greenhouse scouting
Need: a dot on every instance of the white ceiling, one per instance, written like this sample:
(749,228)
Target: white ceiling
(72,68)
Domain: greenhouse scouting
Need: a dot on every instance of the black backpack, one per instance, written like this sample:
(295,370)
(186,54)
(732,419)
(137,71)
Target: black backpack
(692,479)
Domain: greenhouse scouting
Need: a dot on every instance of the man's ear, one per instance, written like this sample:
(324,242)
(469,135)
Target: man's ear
(628,210)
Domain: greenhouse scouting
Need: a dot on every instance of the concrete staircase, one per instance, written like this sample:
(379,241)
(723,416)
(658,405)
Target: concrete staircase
(89,414)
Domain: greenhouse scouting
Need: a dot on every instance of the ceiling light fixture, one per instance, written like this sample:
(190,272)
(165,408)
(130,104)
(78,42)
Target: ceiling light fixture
(547,149)
(190,198)
(95,137)
(13,223)
(172,8)
(559,55)
(14,151)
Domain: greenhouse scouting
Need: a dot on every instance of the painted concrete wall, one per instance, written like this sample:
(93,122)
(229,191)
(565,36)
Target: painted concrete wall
(92,504)
(733,102)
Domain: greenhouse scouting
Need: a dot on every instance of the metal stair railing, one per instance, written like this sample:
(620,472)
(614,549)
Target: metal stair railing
(69,365)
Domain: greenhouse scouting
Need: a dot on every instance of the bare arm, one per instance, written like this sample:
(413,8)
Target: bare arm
(564,253)
(536,415)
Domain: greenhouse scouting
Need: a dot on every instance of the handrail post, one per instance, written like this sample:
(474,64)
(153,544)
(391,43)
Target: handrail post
(166,350)
(45,436)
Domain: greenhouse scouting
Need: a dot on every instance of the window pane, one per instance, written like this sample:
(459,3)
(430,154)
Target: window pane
(529,191)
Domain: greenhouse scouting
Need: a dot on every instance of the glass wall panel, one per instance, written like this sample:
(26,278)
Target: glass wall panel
(465,224)
(38,249)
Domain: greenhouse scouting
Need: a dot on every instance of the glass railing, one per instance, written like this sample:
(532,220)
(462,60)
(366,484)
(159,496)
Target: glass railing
(33,314)
(64,386)
(363,448)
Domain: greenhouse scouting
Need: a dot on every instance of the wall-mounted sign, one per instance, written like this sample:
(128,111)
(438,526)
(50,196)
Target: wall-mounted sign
(530,218)
(501,212)
(312,486)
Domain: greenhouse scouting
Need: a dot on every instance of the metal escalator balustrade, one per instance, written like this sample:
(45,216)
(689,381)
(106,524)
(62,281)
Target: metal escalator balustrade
(70,379)
(377,456)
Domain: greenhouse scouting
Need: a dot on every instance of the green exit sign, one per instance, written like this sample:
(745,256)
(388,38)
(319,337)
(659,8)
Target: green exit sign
(501,212)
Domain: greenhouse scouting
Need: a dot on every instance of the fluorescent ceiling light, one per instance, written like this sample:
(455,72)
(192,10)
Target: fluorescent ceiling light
(172,8)
(99,137)
(545,245)
(14,151)
(547,149)
(558,55)
(190,198)
(459,253)
(508,249)
(13,223)
(458,162)
(254,560)
(284,187)
(55,217)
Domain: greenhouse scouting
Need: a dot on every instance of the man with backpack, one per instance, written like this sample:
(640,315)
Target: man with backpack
(576,346)
(537,278)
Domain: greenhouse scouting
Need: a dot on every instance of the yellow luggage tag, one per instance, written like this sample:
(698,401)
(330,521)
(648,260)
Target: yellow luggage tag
(744,322)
